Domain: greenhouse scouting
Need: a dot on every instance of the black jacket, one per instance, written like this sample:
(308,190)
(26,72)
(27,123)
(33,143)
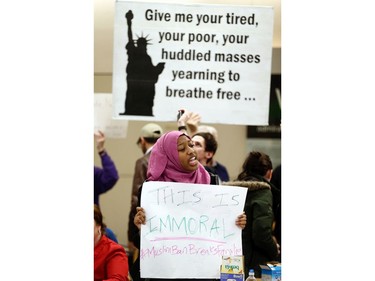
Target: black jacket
(258,246)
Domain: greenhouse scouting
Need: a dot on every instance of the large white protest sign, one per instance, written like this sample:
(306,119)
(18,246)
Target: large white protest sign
(189,227)
(210,59)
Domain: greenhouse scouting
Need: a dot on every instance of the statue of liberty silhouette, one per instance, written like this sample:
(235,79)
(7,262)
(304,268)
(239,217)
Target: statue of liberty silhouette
(142,75)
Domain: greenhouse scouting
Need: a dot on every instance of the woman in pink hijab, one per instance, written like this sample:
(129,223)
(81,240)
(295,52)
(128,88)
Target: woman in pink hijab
(173,159)
(176,165)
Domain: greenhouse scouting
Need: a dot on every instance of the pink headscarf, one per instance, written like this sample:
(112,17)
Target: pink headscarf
(164,163)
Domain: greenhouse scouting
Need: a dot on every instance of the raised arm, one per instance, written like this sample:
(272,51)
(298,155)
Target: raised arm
(129,16)
(188,121)
(107,176)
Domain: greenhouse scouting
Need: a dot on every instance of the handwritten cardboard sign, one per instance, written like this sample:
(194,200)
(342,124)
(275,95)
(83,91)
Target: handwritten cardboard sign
(202,57)
(189,228)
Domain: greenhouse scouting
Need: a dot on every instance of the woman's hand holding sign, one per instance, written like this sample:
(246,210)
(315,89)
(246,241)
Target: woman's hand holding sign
(140,217)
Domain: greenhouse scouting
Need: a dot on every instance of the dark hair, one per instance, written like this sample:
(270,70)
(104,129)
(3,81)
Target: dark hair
(151,140)
(210,142)
(256,163)
(98,217)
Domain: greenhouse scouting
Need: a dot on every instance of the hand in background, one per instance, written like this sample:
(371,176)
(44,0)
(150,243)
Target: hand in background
(191,120)
(100,139)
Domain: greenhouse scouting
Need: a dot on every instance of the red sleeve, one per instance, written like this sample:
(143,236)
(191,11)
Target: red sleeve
(117,264)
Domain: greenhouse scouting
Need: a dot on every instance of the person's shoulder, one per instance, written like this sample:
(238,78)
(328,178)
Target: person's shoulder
(214,178)
(143,160)
(113,246)
(221,168)
(218,164)
(110,234)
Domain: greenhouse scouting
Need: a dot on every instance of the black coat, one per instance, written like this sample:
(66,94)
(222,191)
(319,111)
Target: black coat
(258,245)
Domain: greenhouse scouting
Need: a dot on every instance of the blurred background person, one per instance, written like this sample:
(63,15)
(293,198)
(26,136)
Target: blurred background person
(148,135)
(259,245)
(219,168)
(205,145)
(105,177)
(189,122)
(110,258)
(276,181)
